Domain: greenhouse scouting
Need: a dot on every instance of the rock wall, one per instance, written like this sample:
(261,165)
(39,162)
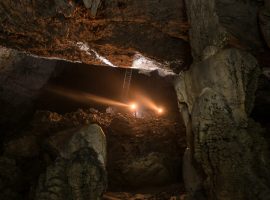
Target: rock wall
(220,23)
(227,156)
(21,78)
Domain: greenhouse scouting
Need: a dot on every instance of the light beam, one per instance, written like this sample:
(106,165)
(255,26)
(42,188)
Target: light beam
(84,97)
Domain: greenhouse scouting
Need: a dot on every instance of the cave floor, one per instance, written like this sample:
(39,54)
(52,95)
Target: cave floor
(144,155)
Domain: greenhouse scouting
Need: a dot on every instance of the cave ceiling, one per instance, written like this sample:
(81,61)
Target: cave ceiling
(99,32)
(146,34)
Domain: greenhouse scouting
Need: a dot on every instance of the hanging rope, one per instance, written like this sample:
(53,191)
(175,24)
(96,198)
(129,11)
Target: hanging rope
(126,83)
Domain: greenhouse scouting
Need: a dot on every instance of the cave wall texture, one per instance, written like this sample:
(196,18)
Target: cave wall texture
(115,29)
(227,156)
(79,170)
(21,78)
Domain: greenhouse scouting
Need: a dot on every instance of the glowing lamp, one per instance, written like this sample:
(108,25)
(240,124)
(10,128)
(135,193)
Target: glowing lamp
(133,106)
(160,110)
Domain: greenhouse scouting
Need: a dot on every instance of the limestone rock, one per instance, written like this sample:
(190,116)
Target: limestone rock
(67,142)
(82,177)
(218,22)
(193,181)
(233,158)
(89,136)
(86,175)
(219,92)
(231,72)
(79,171)
(53,184)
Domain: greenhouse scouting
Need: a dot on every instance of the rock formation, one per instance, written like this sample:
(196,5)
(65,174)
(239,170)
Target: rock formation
(98,32)
(226,154)
(79,172)
(55,155)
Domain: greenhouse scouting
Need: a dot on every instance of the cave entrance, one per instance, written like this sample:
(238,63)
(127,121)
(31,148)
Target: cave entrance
(144,153)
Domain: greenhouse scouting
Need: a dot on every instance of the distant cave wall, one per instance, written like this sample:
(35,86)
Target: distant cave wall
(227,156)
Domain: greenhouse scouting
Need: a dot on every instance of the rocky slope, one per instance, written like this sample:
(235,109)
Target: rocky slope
(57,149)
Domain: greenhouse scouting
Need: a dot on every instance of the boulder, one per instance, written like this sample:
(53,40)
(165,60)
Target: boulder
(65,143)
(88,136)
(79,170)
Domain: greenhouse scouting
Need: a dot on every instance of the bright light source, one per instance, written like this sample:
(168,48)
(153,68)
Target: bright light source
(133,106)
(160,110)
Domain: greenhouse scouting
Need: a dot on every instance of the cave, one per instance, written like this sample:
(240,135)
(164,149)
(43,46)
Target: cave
(144,151)
(144,147)
(125,100)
